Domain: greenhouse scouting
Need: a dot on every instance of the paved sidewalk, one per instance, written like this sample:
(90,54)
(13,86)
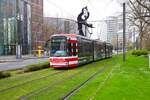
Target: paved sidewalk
(4,59)
(10,62)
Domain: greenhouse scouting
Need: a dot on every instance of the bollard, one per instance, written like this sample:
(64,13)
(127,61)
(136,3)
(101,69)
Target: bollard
(39,51)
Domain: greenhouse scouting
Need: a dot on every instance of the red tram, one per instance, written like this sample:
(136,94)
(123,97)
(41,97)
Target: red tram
(71,50)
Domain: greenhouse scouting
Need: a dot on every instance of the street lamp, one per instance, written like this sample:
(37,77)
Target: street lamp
(117,44)
(123,3)
(124,32)
(18,42)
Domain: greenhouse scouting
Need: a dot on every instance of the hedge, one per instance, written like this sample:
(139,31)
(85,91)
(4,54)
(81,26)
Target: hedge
(4,74)
(35,67)
(139,52)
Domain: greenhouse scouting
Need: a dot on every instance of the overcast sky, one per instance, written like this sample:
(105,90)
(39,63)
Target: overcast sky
(71,8)
(98,9)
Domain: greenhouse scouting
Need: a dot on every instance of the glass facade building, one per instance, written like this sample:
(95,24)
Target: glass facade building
(15,26)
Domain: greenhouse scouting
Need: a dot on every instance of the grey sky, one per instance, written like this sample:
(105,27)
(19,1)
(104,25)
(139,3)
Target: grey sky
(98,9)
(71,8)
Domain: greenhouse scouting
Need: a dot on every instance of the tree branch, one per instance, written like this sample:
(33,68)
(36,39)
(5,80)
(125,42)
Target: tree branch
(143,5)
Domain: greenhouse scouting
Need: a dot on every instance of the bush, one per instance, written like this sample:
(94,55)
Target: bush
(139,52)
(4,74)
(35,67)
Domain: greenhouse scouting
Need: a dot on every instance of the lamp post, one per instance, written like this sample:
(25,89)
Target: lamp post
(124,32)
(18,42)
(117,44)
(123,3)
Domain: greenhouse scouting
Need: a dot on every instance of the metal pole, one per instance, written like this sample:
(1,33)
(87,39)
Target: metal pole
(124,31)
(17,18)
(117,44)
(134,41)
(149,60)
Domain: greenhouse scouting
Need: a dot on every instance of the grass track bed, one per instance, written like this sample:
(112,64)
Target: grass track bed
(120,81)
(30,81)
(34,86)
(127,81)
(59,88)
(23,78)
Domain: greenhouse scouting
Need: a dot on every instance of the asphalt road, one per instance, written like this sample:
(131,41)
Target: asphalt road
(20,63)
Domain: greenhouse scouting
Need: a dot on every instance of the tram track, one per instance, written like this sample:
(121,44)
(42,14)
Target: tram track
(71,93)
(27,82)
(23,76)
(43,89)
(48,87)
(76,89)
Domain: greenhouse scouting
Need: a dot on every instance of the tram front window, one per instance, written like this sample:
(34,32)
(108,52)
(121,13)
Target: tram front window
(58,47)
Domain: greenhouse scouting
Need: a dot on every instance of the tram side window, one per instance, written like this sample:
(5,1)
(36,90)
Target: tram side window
(87,48)
(101,48)
(84,48)
(69,49)
(74,49)
(80,48)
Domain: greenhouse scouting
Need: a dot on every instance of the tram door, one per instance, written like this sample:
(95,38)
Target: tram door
(72,48)
(72,53)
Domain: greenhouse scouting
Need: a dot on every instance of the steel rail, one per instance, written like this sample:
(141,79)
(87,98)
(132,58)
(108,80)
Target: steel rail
(71,93)
(49,75)
(43,89)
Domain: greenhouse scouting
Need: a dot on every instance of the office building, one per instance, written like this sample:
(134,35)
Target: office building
(21,25)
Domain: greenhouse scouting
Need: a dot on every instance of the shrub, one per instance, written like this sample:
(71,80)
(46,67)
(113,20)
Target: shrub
(35,67)
(139,52)
(4,74)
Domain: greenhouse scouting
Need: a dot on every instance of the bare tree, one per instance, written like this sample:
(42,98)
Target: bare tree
(48,30)
(72,26)
(137,17)
(146,5)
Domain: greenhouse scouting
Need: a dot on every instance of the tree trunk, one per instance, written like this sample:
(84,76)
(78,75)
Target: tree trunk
(141,41)
(141,35)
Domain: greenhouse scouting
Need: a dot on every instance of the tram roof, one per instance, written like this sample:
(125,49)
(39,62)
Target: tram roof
(71,35)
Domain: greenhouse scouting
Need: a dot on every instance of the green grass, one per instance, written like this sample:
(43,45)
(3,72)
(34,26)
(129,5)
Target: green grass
(120,81)
(21,78)
(58,90)
(125,81)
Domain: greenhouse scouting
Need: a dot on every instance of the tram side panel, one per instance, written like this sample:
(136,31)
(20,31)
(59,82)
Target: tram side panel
(106,50)
(99,50)
(85,51)
(109,50)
